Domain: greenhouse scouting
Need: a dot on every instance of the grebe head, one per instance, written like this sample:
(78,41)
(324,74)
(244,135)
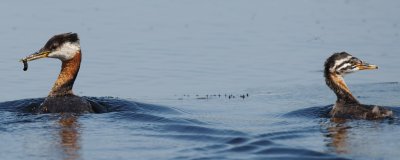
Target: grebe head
(347,106)
(62,46)
(343,63)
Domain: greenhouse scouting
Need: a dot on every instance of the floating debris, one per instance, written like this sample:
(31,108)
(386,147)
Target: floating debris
(210,96)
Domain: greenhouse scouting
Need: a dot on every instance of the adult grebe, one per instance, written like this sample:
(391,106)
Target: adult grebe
(347,106)
(66,48)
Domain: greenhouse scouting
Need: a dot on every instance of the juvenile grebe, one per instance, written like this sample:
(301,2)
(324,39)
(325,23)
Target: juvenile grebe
(347,106)
(66,48)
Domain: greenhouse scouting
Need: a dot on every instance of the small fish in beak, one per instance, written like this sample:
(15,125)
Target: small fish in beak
(25,64)
(33,57)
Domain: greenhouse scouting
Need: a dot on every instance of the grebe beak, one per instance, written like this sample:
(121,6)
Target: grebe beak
(366,66)
(35,56)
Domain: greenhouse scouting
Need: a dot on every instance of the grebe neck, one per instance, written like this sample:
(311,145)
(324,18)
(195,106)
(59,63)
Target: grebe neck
(66,78)
(338,85)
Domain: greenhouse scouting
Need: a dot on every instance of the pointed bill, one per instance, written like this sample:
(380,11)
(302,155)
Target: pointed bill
(35,56)
(367,66)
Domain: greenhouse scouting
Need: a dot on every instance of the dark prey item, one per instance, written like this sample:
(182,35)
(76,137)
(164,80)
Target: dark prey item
(25,64)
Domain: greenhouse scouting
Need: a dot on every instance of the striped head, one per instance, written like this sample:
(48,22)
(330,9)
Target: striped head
(343,63)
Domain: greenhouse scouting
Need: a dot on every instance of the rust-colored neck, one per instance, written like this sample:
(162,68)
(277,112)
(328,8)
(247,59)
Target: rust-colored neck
(66,78)
(343,93)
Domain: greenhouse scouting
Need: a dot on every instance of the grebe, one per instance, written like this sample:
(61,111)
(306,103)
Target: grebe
(347,106)
(65,47)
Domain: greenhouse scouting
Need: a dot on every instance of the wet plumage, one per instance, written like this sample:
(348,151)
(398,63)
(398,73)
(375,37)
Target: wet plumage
(65,47)
(347,106)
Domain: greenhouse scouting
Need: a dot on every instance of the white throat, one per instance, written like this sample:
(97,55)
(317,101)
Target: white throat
(66,52)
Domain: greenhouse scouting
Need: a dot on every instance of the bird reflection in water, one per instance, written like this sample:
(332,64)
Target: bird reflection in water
(337,135)
(69,137)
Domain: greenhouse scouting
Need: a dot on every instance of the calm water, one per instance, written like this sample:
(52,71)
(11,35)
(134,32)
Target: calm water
(161,57)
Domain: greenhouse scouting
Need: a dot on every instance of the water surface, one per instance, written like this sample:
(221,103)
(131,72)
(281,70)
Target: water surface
(160,57)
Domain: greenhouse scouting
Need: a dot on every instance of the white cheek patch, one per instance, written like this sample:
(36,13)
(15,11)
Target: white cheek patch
(344,66)
(339,62)
(66,52)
